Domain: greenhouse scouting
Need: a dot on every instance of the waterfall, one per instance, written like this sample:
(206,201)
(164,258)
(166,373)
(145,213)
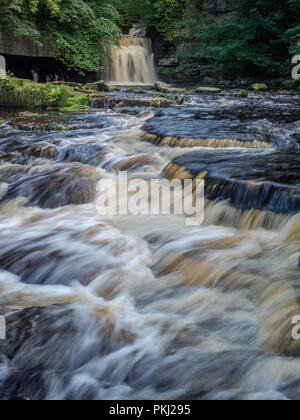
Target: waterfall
(133,62)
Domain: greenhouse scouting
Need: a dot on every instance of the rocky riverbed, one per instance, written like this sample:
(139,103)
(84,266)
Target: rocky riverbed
(145,307)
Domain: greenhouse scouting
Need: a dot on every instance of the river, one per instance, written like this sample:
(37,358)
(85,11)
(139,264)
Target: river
(146,307)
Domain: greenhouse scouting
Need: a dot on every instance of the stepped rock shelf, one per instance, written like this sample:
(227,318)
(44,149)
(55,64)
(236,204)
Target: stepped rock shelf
(266,182)
(258,121)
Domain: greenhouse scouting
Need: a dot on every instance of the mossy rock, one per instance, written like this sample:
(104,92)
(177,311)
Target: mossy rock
(204,89)
(75,108)
(70,84)
(164,88)
(101,86)
(209,80)
(290,84)
(241,93)
(130,90)
(257,87)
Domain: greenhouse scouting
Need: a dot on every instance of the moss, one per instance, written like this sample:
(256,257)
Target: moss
(130,90)
(26,94)
(59,128)
(164,88)
(241,93)
(290,84)
(259,86)
(75,108)
(209,81)
(101,86)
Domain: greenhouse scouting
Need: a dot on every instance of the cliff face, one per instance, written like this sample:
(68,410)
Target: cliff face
(171,66)
(218,6)
(12,45)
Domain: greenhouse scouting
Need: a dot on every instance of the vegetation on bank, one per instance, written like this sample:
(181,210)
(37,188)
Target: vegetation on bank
(24,93)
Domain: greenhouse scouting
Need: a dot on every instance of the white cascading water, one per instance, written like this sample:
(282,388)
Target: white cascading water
(133,62)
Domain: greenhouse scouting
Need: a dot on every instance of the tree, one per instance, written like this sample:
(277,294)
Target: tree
(77,30)
(260,37)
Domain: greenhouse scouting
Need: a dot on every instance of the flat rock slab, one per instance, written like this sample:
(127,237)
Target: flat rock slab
(267,181)
(186,128)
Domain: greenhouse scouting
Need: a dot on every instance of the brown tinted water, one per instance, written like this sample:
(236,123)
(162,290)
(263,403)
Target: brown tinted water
(145,307)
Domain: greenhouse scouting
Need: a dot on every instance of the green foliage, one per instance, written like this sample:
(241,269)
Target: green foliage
(174,20)
(259,86)
(76,30)
(260,37)
(25,93)
(290,84)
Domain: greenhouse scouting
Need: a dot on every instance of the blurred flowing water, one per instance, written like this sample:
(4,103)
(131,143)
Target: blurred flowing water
(144,307)
(133,62)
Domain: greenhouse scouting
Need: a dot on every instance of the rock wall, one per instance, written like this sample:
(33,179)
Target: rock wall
(218,6)
(19,46)
(170,66)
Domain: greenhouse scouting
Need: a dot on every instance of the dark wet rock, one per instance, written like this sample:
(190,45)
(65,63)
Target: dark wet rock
(224,121)
(85,153)
(26,376)
(55,122)
(291,389)
(268,181)
(273,106)
(24,325)
(218,6)
(23,381)
(90,154)
(47,346)
(130,90)
(181,99)
(13,158)
(186,128)
(51,186)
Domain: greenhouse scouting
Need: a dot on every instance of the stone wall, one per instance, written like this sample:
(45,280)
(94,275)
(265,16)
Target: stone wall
(12,45)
